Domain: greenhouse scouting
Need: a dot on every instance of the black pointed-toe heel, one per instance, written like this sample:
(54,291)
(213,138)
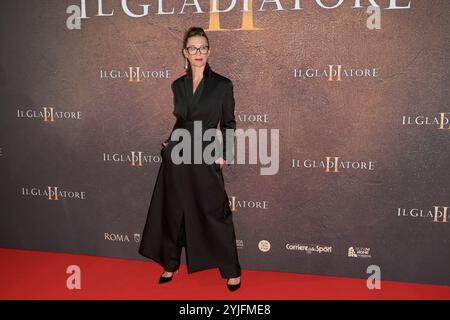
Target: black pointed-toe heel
(165,279)
(233,287)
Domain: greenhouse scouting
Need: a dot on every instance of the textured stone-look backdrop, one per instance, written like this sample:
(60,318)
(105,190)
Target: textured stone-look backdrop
(80,135)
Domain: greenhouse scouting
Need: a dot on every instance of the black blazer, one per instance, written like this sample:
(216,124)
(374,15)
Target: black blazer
(215,94)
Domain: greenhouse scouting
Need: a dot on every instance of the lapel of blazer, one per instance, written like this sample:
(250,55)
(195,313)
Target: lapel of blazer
(188,87)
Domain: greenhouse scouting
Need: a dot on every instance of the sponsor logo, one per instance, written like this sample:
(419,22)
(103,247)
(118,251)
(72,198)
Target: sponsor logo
(357,252)
(264,245)
(309,249)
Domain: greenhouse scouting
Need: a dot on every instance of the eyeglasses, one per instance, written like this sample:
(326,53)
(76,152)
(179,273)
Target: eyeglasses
(193,50)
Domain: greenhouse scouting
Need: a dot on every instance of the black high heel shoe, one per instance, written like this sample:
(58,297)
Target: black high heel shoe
(166,279)
(234,287)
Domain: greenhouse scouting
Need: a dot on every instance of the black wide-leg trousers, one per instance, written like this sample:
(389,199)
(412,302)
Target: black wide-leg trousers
(226,271)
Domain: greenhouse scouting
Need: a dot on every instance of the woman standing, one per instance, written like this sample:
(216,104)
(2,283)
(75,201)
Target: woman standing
(189,205)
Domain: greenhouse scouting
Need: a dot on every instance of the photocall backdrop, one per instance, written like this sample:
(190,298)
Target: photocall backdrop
(359,96)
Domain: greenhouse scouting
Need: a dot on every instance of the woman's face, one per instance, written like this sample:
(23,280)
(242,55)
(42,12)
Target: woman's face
(199,57)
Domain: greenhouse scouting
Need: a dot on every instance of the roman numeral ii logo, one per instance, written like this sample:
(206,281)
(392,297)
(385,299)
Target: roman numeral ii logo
(52,193)
(134,74)
(442,215)
(136,159)
(442,122)
(247,17)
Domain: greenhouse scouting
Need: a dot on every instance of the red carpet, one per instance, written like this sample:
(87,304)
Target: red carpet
(26,274)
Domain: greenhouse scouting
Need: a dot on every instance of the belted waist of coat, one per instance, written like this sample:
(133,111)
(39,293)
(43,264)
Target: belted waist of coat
(190,124)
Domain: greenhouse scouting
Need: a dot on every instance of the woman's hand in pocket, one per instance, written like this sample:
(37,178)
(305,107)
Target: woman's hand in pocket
(221,162)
